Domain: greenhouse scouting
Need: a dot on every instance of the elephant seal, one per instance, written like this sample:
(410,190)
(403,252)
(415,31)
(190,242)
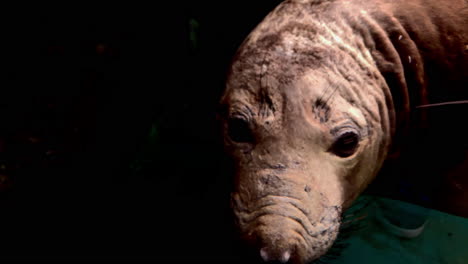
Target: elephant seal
(318,96)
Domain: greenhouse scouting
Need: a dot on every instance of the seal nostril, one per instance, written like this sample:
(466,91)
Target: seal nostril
(264,254)
(282,258)
(285,257)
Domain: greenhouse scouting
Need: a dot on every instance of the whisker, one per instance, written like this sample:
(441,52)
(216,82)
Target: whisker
(443,103)
(331,94)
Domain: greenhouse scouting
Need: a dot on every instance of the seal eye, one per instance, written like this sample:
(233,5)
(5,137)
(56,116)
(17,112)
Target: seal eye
(239,130)
(346,144)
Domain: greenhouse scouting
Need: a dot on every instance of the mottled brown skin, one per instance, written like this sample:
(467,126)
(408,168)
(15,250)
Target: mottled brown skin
(312,72)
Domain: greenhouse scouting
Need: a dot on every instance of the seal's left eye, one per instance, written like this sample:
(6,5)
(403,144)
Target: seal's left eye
(346,144)
(239,130)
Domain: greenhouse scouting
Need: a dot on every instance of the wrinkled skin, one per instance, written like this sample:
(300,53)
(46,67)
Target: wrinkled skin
(312,104)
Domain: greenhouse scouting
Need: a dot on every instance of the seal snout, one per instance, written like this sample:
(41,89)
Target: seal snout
(267,256)
(285,246)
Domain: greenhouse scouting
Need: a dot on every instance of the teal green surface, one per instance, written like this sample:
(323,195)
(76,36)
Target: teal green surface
(443,240)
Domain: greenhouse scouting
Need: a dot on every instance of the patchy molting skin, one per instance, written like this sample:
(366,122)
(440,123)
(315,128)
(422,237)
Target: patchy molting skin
(288,87)
(299,81)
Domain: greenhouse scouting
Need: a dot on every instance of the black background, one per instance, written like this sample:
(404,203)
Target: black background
(109,144)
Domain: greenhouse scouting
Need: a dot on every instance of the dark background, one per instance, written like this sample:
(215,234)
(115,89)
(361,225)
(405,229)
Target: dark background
(109,145)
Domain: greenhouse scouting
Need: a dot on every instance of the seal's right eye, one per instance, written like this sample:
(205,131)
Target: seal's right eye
(346,144)
(239,130)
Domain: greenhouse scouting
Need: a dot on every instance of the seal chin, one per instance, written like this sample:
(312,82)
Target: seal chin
(292,251)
